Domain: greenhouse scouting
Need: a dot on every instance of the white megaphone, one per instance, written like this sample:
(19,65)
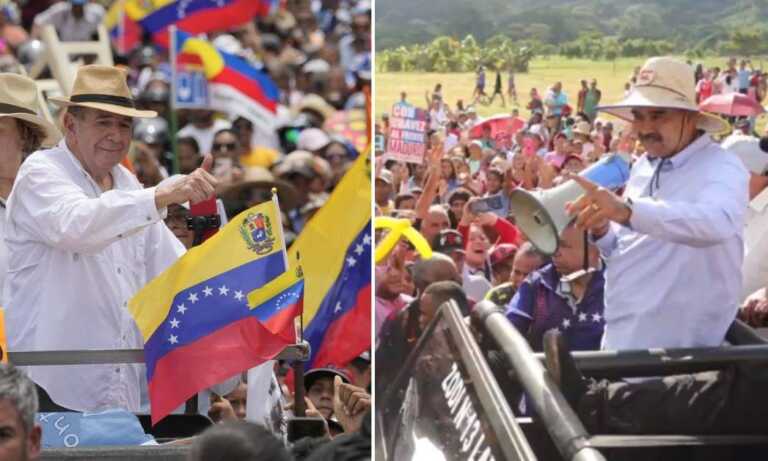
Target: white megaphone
(541,215)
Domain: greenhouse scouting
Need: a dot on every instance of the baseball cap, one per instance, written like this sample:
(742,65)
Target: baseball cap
(316,373)
(448,240)
(502,252)
(312,139)
(386,176)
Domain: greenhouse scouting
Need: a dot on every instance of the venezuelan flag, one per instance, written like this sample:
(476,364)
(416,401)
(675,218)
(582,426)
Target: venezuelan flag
(199,16)
(122,22)
(335,249)
(233,84)
(197,323)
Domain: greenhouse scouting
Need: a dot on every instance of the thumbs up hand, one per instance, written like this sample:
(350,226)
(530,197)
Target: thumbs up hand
(194,187)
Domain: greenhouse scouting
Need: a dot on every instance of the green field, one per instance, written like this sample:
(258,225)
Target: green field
(543,72)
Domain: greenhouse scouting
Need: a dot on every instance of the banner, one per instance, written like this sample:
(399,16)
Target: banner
(407,134)
(191,88)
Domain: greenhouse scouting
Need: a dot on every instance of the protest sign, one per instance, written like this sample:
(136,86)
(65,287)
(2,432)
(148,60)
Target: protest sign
(407,131)
(191,88)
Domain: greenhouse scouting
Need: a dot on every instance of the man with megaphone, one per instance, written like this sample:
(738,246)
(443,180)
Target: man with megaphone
(673,247)
(673,243)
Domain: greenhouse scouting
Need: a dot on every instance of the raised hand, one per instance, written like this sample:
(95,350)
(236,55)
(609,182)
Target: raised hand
(596,207)
(350,405)
(194,187)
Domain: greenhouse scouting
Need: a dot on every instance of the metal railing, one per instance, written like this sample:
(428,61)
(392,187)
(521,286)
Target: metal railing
(105,357)
(565,428)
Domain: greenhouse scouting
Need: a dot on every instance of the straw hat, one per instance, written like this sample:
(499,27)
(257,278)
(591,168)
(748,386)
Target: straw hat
(103,88)
(18,99)
(582,128)
(314,103)
(259,177)
(665,83)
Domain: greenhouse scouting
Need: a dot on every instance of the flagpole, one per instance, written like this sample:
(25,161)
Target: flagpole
(121,28)
(280,223)
(174,119)
(299,407)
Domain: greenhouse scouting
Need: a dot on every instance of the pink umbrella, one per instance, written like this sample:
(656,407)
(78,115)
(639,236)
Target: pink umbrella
(503,128)
(732,104)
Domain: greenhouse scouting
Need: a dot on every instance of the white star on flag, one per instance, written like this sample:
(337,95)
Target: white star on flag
(582,317)
(367,239)
(359,249)
(351,261)
(174,323)
(239,295)
(192,298)
(566,323)
(223,290)
(181,308)
(207,291)
(173,339)
(338,307)
(596,317)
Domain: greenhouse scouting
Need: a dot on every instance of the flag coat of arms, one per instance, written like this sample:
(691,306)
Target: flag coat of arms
(198,324)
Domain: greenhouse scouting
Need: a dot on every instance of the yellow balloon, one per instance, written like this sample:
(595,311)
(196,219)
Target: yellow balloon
(399,228)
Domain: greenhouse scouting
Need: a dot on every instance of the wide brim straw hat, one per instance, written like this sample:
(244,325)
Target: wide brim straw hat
(665,83)
(18,99)
(103,88)
(259,177)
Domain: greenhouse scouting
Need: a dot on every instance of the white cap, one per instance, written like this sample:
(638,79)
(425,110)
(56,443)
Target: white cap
(747,148)
(312,139)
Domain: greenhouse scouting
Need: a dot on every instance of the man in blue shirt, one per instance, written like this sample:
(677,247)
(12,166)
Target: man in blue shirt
(743,75)
(549,299)
(556,100)
(673,248)
(673,244)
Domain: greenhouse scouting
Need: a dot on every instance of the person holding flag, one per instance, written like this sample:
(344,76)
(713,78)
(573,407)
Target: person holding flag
(83,237)
(210,316)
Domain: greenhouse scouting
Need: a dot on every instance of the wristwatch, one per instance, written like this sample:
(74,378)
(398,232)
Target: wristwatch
(629,204)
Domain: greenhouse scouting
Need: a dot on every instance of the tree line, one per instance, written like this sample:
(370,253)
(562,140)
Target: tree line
(500,52)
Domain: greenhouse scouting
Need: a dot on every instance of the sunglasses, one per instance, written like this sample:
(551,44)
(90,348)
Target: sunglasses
(224,146)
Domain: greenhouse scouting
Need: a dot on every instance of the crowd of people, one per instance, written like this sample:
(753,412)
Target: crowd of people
(669,259)
(96,203)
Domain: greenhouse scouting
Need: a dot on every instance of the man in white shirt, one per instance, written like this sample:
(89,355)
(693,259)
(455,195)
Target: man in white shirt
(84,237)
(74,20)
(203,127)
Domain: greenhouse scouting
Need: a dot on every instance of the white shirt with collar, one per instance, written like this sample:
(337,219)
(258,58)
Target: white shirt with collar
(69,28)
(673,277)
(3,249)
(756,245)
(77,255)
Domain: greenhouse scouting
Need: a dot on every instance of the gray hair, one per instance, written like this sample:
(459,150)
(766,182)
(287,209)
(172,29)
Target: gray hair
(528,249)
(438,209)
(20,391)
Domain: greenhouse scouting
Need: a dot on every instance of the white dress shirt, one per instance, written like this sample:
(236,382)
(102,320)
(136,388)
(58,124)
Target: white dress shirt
(69,28)
(756,245)
(673,277)
(204,136)
(77,255)
(3,250)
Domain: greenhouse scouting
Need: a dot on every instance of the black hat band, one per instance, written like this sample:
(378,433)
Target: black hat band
(12,109)
(104,98)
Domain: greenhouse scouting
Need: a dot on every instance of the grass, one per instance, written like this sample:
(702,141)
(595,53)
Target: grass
(543,72)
